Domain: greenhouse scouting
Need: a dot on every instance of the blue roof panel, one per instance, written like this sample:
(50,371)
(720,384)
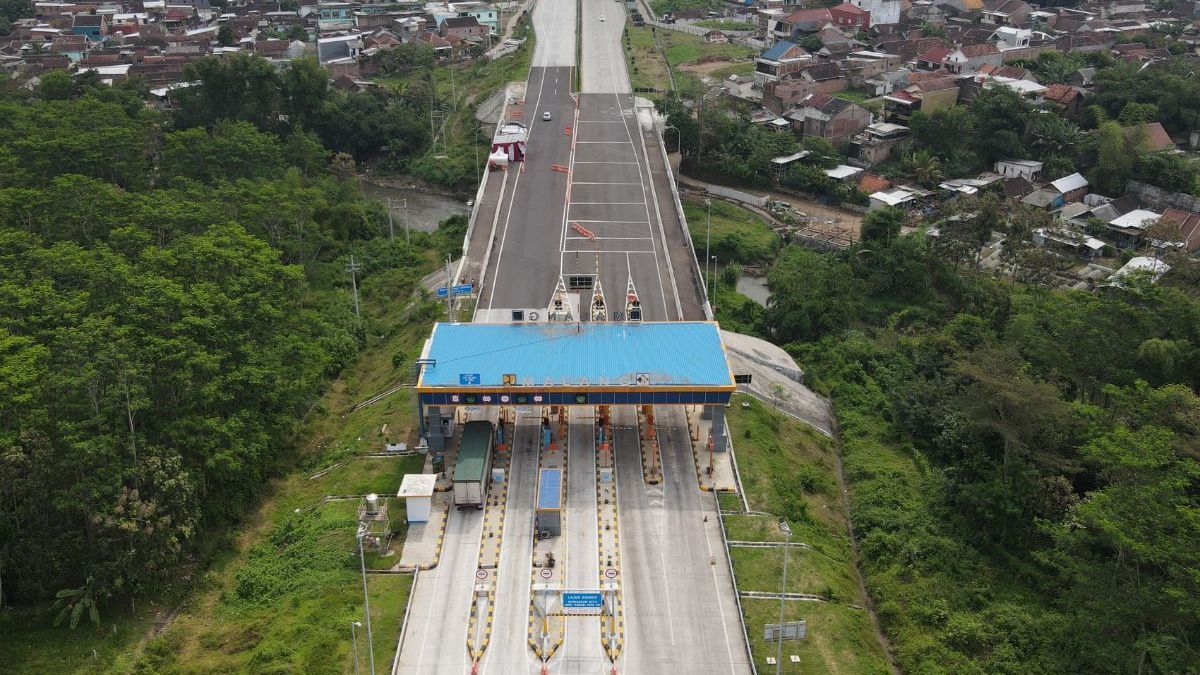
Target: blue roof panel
(673,354)
(550,489)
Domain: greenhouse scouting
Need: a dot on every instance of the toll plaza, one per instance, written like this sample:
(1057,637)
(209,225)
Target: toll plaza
(572,364)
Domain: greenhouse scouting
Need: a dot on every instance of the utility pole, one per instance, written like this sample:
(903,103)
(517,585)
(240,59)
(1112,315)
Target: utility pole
(366,600)
(407,235)
(783,525)
(391,231)
(449,293)
(354,640)
(353,267)
(707,241)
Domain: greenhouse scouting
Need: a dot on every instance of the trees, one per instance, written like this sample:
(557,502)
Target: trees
(948,134)
(811,295)
(881,225)
(1114,160)
(225,35)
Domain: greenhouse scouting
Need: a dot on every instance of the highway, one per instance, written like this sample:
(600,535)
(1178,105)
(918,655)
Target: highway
(681,615)
(597,163)
(582,651)
(436,636)
(508,651)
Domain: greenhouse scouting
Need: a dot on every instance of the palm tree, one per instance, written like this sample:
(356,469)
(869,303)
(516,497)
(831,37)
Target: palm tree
(926,168)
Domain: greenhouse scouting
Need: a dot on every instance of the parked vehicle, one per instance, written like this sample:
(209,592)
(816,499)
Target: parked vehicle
(472,471)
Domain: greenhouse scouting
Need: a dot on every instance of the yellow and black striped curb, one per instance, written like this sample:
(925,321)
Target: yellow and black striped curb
(441,541)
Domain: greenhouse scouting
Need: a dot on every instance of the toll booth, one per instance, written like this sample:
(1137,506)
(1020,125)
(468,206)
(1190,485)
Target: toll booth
(548,518)
(417,491)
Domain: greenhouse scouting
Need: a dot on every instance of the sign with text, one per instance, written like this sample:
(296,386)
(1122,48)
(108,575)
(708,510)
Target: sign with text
(582,602)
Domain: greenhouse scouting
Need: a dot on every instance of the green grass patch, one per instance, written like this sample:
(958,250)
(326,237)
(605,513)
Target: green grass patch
(738,235)
(662,6)
(33,644)
(647,69)
(789,469)
(839,639)
(724,72)
(725,24)
(685,48)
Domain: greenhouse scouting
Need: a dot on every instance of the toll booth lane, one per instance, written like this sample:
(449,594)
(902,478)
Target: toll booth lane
(479,628)
(548,566)
(612,621)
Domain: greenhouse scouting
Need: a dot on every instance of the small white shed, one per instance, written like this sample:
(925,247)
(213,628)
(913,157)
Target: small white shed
(417,491)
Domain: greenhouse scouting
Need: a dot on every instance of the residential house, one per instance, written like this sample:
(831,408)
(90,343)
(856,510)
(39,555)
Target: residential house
(962,8)
(1128,229)
(882,12)
(1007,37)
(1005,12)
(933,59)
(879,140)
(716,37)
(1043,198)
(969,58)
(782,59)
(1187,225)
(335,16)
(462,27)
(928,95)
(91,26)
(1069,240)
(850,17)
(829,117)
(807,21)
(1028,169)
(1072,188)
(784,95)
(1066,98)
(1151,137)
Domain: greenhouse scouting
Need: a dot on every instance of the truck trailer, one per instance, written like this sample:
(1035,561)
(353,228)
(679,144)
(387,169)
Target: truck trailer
(472,471)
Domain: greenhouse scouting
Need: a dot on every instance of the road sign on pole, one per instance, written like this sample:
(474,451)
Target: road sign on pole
(462,289)
(546,573)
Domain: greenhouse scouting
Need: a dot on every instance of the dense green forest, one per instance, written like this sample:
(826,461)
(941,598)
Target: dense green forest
(1024,461)
(173,299)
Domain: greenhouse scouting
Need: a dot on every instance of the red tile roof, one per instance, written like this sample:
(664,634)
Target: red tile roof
(935,55)
(1189,226)
(1061,93)
(1153,136)
(870,182)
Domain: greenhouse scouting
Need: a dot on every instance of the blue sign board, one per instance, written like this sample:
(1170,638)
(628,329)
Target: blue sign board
(468,378)
(464,289)
(582,600)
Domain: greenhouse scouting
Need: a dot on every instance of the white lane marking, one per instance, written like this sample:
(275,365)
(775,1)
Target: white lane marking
(645,202)
(625,222)
(583,162)
(600,183)
(508,217)
(606,142)
(609,238)
(607,203)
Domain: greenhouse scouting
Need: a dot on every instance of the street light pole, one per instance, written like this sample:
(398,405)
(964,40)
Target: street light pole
(407,236)
(783,525)
(707,240)
(713,282)
(354,640)
(362,560)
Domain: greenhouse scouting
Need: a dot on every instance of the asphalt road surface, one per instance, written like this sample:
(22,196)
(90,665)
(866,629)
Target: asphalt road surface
(435,641)
(681,615)
(603,68)
(508,651)
(582,652)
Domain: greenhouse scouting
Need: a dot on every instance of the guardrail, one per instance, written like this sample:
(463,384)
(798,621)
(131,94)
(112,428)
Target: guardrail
(698,280)
(737,596)
(404,622)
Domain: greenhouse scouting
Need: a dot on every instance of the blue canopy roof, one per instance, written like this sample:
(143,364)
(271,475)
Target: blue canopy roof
(684,355)
(550,489)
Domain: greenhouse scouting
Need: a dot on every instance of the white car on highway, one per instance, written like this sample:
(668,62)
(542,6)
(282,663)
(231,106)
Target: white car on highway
(546,116)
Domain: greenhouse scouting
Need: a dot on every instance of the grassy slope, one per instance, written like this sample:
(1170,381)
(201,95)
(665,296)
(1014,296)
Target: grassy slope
(787,468)
(757,243)
(647,69)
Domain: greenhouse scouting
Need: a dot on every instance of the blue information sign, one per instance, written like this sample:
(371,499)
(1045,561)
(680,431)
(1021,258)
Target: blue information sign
(464,289)
(468,378)
(582,600)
